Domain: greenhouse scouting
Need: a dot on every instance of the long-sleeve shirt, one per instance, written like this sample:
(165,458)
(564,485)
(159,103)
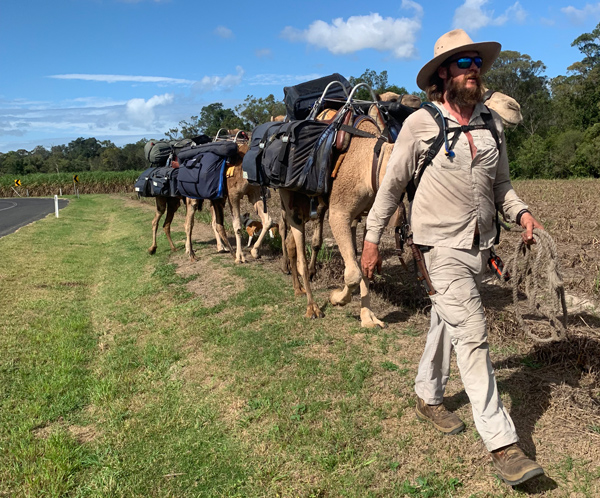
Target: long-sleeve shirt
(455,194)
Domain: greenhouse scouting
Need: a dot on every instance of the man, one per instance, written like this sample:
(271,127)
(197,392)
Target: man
(452,219)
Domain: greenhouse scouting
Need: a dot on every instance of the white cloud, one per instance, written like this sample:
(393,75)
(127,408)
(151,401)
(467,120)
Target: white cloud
(212,83)
(223,32)
(263,53)
(119,78)
(280,79)
(142,111)
(25,123)
(395,35)
(579,16)
(471,15)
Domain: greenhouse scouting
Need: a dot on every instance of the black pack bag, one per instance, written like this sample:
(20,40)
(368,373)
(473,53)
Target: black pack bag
(300,99)
(164,182)
(251,164)
(143,185)
(297,156)
(202,170)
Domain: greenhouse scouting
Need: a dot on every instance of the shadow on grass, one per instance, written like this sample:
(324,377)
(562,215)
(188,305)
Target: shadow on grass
(537,374)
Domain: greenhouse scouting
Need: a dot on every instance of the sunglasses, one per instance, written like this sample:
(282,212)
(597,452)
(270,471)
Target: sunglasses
(465,62)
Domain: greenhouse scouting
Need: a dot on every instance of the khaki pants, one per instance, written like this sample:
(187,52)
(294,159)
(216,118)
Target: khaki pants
(458,322)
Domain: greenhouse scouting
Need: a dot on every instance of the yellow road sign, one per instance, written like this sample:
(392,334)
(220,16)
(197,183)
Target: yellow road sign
(76,178)
(17,183)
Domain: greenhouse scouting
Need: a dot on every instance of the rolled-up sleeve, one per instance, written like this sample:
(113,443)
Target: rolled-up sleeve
(400,169)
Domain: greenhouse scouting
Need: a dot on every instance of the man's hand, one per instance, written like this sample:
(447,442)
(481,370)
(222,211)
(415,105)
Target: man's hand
(370,259)
(528,222)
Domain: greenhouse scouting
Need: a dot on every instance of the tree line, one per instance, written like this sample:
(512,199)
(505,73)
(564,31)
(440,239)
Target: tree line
(558,138)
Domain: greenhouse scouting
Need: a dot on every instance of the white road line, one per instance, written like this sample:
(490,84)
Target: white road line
(13,204)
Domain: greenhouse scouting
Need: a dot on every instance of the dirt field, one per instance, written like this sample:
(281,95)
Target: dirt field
(551,389)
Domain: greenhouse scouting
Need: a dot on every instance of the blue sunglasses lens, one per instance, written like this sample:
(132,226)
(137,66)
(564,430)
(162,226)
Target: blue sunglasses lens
(465,62)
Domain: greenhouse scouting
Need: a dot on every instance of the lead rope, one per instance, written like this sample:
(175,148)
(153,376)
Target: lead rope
(529,274)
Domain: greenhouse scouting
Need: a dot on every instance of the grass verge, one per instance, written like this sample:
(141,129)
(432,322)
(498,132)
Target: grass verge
(120,375)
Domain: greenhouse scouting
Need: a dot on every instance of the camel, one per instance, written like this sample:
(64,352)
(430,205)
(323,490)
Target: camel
(408,100)
(352,194)
(237,188)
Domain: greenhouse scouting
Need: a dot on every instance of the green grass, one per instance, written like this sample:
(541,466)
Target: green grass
(116,380)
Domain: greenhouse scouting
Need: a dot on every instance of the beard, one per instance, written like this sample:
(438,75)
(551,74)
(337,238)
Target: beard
(460,95)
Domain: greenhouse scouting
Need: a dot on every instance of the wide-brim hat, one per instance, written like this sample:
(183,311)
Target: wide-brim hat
(452,43)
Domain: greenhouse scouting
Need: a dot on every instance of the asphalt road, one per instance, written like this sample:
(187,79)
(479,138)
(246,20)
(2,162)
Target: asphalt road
(17,211)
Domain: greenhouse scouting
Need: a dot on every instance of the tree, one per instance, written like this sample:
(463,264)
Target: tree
(256,111)
(187,129)
(84,148)
(213,117)
(589,45)
(522,78)
(377,82)
(579,93)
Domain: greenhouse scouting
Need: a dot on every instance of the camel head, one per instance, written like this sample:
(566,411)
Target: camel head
(388,97)
(507,107)
(411,101)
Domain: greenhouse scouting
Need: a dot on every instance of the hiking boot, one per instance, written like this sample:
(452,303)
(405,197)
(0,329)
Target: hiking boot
(441,418)
(513,466)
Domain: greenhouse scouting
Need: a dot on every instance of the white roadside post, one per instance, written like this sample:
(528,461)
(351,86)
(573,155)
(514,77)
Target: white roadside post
(56,205)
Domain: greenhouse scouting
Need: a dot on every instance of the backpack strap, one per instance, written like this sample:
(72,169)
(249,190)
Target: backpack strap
(433,150)
(442,138)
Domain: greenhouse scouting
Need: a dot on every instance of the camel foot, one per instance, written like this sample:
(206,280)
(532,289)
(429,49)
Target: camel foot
(222,250)
(340,297)
(369,320)
(173,249)
(313,311)
(240,261)
(255,253)
(152,250)
(192,256)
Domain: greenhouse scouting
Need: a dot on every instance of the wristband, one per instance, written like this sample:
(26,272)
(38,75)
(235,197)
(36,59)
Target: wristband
(521,213)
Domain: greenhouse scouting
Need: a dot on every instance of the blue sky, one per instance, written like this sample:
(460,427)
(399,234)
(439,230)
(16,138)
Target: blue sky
(128,69)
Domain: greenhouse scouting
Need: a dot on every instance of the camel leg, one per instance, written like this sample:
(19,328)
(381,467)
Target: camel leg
(293,259)
(367,317)
(341,227)
(317,238)
(161,206)
(213,224)
(172,207)
(234,205)
(296,222)
(191,206)
(353,228)
(312,310)
(267,223)
(284,229)
(216,209)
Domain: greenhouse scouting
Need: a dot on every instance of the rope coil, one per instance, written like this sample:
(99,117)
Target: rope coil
(535,267)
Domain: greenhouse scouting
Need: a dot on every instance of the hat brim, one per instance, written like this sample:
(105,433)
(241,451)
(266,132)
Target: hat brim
(488,51)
